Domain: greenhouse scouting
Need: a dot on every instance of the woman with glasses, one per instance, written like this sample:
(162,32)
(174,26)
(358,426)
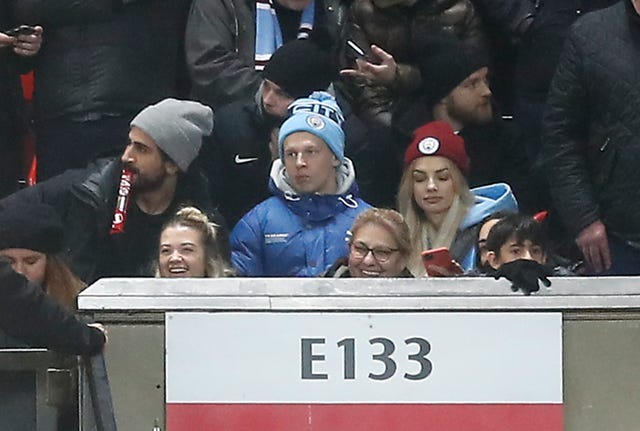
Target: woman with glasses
(439,207)
(379,246)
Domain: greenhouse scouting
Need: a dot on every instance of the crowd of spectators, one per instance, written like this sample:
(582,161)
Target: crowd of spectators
(278,124)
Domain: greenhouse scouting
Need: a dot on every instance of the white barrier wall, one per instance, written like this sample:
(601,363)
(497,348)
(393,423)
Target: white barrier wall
(315,354)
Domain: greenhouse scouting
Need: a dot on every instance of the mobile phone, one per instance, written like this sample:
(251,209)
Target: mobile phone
(354,51)
(441,258)
(23,30)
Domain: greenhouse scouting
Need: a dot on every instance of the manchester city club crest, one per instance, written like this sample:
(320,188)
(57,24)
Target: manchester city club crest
(429,145)
(315,122)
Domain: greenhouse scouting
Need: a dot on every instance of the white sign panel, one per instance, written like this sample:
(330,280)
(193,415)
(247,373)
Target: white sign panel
(341,357)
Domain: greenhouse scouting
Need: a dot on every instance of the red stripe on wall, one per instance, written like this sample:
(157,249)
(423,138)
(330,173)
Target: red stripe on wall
(364,417)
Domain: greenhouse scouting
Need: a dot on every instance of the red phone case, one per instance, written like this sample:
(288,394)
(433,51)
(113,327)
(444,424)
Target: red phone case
(439,257)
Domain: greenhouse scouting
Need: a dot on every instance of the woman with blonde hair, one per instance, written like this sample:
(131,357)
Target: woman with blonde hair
(438,206)
(379,246)
(190,246)
(31,235)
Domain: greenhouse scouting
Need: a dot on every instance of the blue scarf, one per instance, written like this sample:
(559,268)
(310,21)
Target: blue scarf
(269,34)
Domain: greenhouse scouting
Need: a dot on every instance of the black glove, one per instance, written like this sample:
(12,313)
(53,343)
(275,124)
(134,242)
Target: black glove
(524,275)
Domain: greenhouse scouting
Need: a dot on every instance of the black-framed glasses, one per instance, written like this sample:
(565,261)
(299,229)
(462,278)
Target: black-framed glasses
(360,250)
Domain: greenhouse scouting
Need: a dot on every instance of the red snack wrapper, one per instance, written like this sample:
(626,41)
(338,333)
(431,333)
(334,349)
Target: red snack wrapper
(122,202)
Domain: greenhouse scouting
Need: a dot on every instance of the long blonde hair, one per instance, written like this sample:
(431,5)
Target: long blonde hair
(216,264)
(424,234)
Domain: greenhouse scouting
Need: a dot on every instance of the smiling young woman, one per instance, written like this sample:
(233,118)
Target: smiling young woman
(190,247)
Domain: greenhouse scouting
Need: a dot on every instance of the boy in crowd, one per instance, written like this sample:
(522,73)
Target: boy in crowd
(517,249)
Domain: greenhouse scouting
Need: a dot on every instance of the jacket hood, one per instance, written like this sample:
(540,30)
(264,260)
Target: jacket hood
(489,200)
(316,207)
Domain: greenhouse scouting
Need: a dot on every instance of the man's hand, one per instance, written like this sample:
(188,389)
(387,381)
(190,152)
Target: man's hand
(383,73)
(6,40)
(28,45)
(594,246)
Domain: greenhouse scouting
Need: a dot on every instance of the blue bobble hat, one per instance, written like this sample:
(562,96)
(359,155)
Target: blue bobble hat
(320,115)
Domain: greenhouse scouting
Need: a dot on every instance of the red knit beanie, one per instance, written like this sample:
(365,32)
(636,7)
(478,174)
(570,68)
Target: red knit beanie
(437,139)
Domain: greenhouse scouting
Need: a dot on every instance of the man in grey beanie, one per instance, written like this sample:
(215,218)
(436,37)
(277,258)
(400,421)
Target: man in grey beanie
(177,128)
(115,208)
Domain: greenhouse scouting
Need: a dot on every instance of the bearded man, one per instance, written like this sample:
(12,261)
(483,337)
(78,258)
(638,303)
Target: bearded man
(115,208)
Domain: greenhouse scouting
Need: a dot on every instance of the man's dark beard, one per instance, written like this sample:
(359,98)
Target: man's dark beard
(140,184)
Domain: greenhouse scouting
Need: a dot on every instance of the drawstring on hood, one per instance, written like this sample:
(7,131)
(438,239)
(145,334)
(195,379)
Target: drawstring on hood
(314,206)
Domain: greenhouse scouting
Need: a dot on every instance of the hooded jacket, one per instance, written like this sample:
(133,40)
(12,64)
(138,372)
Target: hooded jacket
(296,235)
(489,200)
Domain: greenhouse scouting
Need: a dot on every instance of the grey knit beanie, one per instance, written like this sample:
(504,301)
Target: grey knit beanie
(177,127)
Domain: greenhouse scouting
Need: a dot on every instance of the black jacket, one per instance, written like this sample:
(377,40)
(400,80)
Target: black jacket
(86,199)
(12,108)
(105,57)
(592,128)
(236,158)
(26,312)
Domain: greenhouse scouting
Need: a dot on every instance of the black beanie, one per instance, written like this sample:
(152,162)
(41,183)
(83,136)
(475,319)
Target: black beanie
(300,67)
(444,62)
(33,226)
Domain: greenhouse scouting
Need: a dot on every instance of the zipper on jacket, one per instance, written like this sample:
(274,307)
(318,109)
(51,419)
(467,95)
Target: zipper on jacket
(605,145)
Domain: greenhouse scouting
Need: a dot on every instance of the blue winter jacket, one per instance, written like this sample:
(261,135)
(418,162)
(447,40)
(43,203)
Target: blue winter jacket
(489,200)
(296,235)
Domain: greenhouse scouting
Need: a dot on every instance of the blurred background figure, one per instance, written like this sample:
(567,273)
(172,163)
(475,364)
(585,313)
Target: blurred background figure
(381,70)
(103,61)
(439,207)
(190,246)
(379,246)
(228,42)
(591,131)
(16,54)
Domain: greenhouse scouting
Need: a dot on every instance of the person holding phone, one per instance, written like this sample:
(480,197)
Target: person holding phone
(378,57)
(434,198)
(16,50)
